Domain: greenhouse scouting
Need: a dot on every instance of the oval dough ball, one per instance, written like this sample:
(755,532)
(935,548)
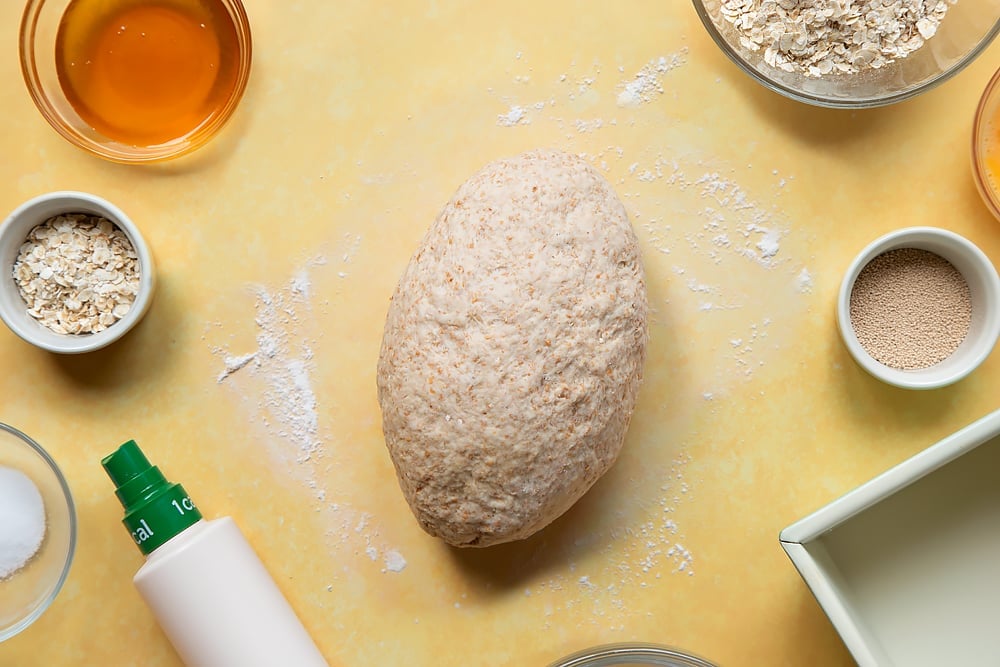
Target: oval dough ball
(513,350)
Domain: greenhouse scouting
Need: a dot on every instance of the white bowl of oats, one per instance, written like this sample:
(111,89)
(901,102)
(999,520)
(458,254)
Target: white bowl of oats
(864,53)
(77,274)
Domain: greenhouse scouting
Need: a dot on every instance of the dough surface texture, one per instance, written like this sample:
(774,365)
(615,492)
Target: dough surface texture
(513,350)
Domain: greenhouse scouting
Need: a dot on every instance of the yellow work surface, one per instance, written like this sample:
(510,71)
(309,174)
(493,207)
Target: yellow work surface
(252,378)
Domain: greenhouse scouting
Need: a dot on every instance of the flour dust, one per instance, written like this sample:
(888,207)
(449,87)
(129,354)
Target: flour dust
(645,86)
(274,383)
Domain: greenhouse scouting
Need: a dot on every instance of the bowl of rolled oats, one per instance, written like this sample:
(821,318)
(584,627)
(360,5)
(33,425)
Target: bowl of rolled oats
(77,274)
(851,54)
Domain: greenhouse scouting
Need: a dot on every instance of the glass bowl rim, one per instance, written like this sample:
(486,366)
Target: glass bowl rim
(990,195)
(631,651)
(838,103)
(193,141)
(39,609)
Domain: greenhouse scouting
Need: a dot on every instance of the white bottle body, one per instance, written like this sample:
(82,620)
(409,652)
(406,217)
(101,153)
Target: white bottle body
(218,605)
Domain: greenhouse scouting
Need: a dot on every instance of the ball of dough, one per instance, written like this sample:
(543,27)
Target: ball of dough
(513,350)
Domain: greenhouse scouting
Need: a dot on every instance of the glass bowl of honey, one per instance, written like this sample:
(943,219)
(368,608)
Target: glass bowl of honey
(986,145)
(136,80)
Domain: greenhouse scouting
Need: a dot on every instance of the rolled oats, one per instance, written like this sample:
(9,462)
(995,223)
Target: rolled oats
(77,273)
(822,37)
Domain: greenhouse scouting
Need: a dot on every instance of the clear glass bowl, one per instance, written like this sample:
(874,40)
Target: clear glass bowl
(39,30)
(28,592)
(968,27)
(634,655)
(986,145)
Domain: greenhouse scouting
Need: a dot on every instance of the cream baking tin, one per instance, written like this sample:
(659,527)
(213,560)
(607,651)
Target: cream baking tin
(907,566)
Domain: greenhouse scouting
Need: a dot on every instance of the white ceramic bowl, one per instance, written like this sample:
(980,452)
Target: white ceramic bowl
(984,288)
(14,230)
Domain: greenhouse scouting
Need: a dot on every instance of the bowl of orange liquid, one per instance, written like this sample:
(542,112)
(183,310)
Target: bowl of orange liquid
(986,145)
(136,80)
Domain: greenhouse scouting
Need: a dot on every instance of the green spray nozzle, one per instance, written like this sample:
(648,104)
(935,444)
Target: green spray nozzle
(155,509)
(133,474)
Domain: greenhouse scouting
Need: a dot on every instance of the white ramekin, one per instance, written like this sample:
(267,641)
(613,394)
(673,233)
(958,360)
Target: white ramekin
(13,232)
(984,288)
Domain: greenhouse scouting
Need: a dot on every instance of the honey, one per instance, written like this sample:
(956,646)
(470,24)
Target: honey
(146,72)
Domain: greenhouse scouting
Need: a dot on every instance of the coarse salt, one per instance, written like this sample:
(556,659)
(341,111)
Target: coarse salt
(22,521)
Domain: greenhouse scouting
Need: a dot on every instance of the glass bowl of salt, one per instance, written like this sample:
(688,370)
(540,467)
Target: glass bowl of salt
(37,531)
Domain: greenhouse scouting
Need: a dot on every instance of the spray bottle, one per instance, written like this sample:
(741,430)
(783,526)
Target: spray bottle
(207,588)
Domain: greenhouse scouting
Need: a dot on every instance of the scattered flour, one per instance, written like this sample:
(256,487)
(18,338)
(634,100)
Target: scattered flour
(744,355)
(361,533)
(643,87)
(394,561)
(286,404)
(717,229)
(634,558)
(301,285)
(275,384)
(234,364)
(732,222)
(804,281)
(731,213)
(769,245)
(517,115)
(647,82)
(351,245)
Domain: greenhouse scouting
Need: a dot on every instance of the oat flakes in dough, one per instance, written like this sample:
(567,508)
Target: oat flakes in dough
(513,350)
